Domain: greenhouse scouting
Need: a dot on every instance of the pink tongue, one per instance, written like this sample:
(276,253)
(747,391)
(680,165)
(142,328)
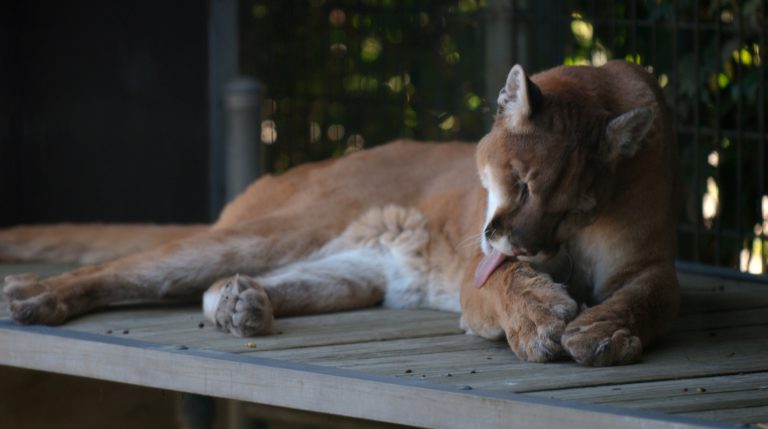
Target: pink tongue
(487,266)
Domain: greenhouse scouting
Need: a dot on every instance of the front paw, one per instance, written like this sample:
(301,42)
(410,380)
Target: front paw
(30,301)
(243,307)
(537,320)
(601,343)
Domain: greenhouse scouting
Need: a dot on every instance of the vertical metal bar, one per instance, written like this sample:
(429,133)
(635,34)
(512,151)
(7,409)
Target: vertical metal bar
(499,42)
(243,142)
(675,81)
(739,123)
(761,105)
(595,19)
(222,67)
(717,137)
(696,124)
(612,18)
(195,411)
(633,19)
(514,20)
(653,43)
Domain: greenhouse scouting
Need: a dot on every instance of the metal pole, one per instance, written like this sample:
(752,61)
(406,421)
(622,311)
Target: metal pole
(222,68)
(242,100)
(500,38)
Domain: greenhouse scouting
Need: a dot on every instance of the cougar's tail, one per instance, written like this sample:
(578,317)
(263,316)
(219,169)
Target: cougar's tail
(86,243)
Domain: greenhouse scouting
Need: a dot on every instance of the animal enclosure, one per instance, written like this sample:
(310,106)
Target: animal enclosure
(350,76)
(340,76)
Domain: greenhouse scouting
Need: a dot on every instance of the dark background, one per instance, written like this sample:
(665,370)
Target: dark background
(103,111)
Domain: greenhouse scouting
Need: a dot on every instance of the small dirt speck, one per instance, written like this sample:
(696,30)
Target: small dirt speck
(126,332)
(201,325)
(408,371)
(109,331)
(465,387)
(473,372)
(701,390)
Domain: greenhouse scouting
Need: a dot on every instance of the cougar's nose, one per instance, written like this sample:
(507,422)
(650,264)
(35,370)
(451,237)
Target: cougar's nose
(493,226)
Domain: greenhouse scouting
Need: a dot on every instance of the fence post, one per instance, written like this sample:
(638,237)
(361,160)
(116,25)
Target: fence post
(242,100)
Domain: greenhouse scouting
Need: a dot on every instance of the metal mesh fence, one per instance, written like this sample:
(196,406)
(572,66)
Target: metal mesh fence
(342,75)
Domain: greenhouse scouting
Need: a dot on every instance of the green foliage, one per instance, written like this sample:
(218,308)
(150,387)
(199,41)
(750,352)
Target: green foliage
(348,74)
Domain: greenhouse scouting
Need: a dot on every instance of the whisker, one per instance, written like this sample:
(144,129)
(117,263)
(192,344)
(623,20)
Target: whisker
(471,240)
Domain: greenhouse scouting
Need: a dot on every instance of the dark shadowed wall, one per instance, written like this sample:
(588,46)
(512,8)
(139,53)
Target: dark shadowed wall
(103,111)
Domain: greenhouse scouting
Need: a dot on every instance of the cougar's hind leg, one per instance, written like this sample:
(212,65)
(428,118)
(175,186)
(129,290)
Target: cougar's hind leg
(245,306)
(381,253)
(87,243)
(179,270)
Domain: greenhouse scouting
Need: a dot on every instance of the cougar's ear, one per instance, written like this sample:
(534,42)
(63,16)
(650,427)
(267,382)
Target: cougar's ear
(626,132)
(518,98)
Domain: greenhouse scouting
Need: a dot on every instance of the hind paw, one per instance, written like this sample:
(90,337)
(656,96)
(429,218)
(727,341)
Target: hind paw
(242,307)
(23,286)
(41,309)
(30,301)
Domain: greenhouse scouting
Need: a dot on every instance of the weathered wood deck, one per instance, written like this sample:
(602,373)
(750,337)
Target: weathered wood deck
(417,368)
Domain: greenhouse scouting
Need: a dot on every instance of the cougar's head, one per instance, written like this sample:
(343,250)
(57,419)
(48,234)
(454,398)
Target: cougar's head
(548,163)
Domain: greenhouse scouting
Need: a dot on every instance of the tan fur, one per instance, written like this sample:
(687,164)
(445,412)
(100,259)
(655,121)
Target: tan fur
(402,224)
(86,244)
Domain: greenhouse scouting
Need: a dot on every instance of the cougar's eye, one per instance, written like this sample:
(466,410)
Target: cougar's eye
(523,190)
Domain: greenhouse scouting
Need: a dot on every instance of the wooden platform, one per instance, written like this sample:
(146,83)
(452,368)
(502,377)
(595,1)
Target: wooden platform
(417,368)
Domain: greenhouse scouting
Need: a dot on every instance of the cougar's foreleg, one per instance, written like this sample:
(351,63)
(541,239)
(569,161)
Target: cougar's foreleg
(616,330)
(525,306)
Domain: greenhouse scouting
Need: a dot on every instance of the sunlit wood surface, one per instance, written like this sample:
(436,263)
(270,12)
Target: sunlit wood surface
(417,368)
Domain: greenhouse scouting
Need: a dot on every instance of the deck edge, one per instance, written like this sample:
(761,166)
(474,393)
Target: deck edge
(503,404)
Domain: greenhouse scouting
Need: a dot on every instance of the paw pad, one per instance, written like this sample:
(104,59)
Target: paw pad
(243,308)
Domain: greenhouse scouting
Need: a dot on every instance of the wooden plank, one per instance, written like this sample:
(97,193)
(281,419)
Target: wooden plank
(701,402)
(181,326)
(428,347)
(701,294)
(707,282)
(304,387)
(678,396)
(747,415)
(495,367)
(722,319)
(714,327)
